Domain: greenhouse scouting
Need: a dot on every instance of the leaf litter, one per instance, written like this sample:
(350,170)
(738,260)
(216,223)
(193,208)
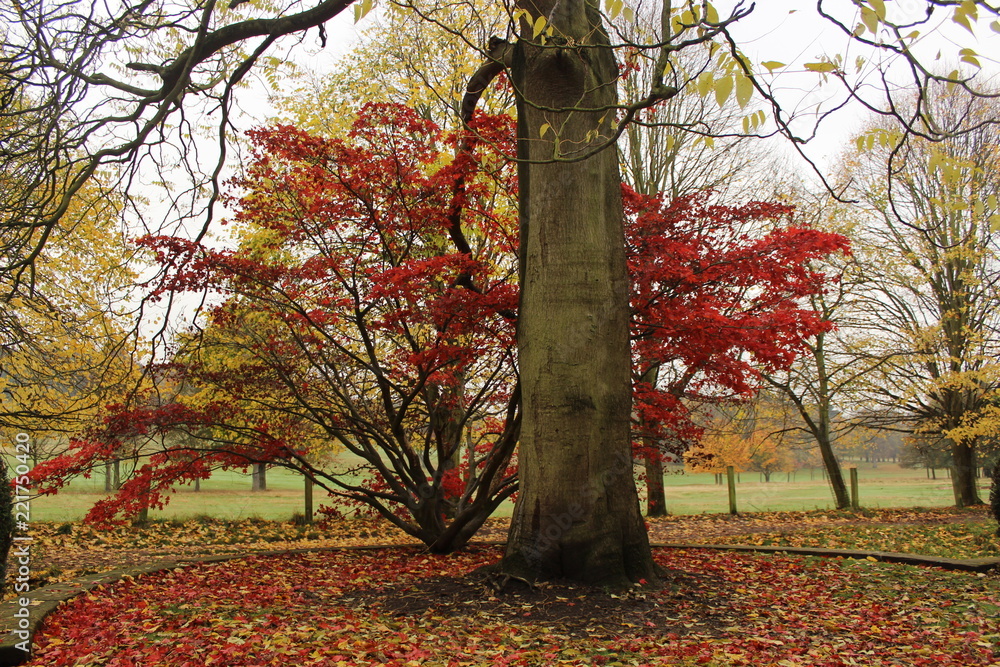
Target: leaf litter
(404,607)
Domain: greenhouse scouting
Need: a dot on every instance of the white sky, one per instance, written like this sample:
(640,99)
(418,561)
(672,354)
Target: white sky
(773,32)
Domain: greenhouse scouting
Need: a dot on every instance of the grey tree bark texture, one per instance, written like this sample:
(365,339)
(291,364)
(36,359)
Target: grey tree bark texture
(577,515)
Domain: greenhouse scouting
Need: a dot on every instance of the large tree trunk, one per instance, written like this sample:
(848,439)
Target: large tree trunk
(963,479)
(577,514)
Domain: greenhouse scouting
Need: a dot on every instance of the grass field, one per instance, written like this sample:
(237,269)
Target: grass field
(886,485)
(227,494)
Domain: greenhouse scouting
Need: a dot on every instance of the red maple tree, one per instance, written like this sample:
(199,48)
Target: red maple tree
(719,294)
(370,307)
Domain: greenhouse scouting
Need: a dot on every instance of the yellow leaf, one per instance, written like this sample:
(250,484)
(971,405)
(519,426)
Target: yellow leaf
(821,67)
(543,129)
(723,87)
(870,19)
(878,6)
(962,16)
(539,26)
(705,80)
(744,90)
(711,15)
(969,56)
(772,65)
(361,9)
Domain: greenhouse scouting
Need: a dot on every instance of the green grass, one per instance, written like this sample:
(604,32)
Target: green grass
(227,494)
(886,485)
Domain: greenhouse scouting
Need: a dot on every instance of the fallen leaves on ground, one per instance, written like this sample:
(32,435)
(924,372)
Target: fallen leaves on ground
(402,607)
(64,551)
(950,532)
(962,541)
(68,550)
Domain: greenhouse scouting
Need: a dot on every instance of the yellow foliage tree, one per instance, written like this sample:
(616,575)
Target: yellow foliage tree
(421,55)
(931,303)
(69,341)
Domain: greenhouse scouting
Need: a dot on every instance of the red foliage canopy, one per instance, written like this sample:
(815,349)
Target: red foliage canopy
(717,297)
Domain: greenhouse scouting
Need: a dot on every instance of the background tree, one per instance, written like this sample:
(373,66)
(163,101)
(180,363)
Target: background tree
(751,436)
(683,145)
(932,305)
(719,296)
(67,345)
(420,55)
(348,323)
(823,383)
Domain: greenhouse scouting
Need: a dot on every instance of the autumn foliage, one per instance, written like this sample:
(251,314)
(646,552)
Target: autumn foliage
(364,326)
(715,302)
(348,326)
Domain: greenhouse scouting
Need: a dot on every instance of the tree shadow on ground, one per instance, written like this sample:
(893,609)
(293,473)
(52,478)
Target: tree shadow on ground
(569,609)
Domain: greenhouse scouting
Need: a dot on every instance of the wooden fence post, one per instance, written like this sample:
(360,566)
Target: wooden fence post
(309,500)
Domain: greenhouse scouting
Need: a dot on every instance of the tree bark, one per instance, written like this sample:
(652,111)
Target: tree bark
(577,515)
(6,523)
(963,478)
(656,496)
(836,476)
(258,480)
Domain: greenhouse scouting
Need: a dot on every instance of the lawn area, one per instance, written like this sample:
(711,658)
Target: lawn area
(227,494)
(884,485)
